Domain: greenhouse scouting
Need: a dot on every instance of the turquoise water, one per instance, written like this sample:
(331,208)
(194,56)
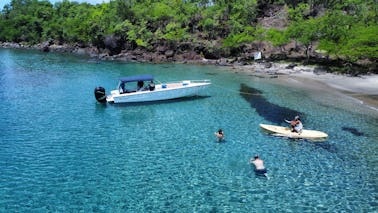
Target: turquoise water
(60,151)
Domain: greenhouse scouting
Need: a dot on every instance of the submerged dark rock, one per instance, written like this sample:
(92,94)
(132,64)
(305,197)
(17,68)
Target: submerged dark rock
(352,130)
(291,66)
(269,111)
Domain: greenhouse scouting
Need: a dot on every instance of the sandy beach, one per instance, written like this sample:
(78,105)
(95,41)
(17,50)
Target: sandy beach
(362,88)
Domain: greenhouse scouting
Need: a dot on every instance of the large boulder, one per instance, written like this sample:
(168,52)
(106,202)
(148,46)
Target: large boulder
(169,53)
(113,44)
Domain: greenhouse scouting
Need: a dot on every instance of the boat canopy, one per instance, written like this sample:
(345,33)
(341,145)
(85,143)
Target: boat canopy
(136,78)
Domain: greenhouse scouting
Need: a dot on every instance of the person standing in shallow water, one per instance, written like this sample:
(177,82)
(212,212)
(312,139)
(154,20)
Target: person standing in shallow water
(259,165)
(219,135)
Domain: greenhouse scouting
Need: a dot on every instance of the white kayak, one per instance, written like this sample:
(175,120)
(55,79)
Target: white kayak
(286,132)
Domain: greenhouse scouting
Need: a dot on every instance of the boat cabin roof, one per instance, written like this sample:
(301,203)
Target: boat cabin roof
(134,78)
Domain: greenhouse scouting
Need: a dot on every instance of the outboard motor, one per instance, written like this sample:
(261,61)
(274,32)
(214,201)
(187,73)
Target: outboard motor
(100,94)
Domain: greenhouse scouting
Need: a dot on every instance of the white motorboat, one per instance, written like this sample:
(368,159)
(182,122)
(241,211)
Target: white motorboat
(142,88)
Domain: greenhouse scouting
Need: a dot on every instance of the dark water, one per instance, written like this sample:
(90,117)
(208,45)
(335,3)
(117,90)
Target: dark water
(269,111)
(60,151)
(353,130)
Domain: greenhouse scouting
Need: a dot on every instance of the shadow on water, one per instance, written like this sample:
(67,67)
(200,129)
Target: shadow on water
(352,130)
(315,141)
(326,146)
(100,106)
(269,111)
(208,73)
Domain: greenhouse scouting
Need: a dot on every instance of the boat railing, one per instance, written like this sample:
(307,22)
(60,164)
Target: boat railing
(200,81)
(186,81)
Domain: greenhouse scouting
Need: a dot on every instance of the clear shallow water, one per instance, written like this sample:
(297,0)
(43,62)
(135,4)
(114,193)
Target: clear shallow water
(60,151)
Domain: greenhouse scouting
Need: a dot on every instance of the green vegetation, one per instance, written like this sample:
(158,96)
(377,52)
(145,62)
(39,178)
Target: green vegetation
(342,29)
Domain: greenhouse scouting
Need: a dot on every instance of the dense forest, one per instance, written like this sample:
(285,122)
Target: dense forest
(336,29)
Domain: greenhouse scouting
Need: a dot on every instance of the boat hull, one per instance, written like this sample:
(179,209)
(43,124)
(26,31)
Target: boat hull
(161,92)
(286,132)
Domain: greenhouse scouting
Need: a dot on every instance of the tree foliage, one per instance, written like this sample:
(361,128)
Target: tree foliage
(341,28)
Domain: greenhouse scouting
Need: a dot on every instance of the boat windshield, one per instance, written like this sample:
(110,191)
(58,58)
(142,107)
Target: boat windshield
(136,78)
(133,83)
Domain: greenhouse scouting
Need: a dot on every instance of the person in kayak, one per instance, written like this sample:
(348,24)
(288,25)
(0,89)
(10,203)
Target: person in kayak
(296,124)
(219,135)
(259,165)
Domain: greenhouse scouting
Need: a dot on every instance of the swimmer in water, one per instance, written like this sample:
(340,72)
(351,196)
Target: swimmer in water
(219,135)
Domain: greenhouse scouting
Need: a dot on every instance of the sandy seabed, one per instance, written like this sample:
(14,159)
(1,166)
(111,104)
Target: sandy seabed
(362,88)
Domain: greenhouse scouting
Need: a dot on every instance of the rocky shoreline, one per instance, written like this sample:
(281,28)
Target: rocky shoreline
(201,54)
